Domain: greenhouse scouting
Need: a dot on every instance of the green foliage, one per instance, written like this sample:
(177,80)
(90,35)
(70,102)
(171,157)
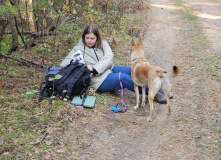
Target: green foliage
(216,128)
(210,67)
(40,50)
(219,143)
(43,49)
(190,16)
(30,94)
(91,10)
(6,43)
(65,28)
(44,4)
(7,10)
(13,72)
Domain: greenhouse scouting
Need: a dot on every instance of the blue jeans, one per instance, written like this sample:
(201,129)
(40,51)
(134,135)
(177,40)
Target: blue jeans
(112,81)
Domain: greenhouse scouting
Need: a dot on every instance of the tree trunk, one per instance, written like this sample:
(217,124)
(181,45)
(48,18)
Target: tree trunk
(30,16)
(14,34)
(27,14)
(35,16)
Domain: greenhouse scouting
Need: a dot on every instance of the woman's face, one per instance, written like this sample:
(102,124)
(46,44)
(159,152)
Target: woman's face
(90,39)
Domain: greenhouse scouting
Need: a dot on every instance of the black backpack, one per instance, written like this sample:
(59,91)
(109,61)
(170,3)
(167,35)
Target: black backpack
(68,82)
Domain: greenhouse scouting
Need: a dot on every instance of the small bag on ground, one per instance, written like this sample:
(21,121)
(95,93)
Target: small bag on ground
(85,101)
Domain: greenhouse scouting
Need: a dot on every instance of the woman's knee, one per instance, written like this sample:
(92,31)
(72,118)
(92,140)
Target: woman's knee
(125,77)
(122,69)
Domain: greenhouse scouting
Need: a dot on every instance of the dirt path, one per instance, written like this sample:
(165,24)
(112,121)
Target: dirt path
(209,14)
(186,134)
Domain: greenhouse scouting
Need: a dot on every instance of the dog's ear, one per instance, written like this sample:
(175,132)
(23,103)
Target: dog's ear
(140,42)
(133,43)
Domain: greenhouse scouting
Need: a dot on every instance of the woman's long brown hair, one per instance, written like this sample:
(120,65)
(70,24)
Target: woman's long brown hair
(93,29)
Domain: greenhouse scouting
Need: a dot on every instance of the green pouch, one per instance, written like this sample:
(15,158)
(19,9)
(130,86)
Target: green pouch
(86,101)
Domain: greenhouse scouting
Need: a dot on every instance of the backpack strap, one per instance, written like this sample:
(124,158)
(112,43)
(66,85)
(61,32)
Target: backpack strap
(82,91)
(48,71)
(84,83)
(82,103)
(50,98)
(42,92)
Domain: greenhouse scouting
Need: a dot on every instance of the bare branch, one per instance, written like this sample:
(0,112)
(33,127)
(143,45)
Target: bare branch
(22,60)
(42,138)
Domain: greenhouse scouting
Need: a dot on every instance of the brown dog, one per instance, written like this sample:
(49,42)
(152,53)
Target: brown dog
(144,74)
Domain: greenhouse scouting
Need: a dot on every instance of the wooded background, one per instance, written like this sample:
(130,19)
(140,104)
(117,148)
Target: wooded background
(28,20)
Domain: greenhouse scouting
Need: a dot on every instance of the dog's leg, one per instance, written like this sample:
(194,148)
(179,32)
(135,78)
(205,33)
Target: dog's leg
(151,95)
(167,90)
(137,96)
(168,102)
(150,99)
(143,96)
(168,98)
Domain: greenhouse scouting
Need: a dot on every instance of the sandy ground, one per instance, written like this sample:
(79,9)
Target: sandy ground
(190,132)
(209,14)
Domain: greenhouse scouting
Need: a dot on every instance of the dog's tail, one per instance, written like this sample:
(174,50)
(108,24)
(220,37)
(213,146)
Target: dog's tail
(174,72)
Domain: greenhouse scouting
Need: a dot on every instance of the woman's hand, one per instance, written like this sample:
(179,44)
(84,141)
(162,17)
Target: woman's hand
(90,68)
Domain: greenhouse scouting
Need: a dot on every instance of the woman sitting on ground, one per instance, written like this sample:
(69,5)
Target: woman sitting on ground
(99,57)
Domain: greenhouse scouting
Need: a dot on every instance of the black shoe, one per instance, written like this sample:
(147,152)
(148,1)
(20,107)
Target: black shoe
(160,98)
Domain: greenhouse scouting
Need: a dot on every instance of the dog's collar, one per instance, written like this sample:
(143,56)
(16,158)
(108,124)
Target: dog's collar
(135,60)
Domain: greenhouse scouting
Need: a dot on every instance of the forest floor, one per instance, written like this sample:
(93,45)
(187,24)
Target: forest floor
(185,33)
